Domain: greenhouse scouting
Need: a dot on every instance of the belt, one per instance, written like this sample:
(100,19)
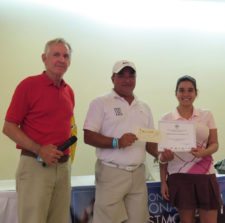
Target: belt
(122,167)
(25,152)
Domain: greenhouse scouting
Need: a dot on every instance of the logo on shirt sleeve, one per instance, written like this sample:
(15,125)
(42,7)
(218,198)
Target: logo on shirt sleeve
(118,111)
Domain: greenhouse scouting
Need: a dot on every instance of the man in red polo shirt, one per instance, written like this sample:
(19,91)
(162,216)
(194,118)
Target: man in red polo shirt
(38,120)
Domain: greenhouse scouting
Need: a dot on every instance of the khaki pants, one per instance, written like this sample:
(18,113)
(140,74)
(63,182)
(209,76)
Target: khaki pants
(44,193)
(121,196)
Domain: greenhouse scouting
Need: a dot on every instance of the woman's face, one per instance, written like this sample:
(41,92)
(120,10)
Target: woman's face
(186,93)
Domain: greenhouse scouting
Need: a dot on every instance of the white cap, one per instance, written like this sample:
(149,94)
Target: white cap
(119,65)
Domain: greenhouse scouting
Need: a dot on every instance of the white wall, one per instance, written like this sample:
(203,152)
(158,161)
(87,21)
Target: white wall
(161,56)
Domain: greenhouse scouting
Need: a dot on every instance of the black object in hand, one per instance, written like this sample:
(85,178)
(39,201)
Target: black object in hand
(67,143)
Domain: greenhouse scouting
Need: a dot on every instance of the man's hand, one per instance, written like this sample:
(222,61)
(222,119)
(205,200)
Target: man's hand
(127,140)
(50,154)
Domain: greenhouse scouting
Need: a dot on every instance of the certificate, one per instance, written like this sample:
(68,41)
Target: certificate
(178,136)
(148,135)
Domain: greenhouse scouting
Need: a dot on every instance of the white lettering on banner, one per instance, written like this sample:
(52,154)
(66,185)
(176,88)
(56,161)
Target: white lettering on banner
(155,197)
(157,205)
(156,208)
(160,210)
(163,219)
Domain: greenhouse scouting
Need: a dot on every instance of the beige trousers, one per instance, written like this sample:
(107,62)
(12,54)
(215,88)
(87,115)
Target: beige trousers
(121,196)
(44,193)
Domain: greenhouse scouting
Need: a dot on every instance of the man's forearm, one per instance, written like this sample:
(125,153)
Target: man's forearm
(152,148)
(19,137)
(97,140)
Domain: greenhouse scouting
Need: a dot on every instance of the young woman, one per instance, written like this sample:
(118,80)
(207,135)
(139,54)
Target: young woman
(188,181)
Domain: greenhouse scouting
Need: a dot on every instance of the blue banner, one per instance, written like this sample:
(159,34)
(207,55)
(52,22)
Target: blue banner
(160,211)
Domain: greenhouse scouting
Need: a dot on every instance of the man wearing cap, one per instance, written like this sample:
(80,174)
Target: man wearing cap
(110,126)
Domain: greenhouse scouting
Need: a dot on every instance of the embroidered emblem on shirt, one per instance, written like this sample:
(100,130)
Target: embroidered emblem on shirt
(118,111)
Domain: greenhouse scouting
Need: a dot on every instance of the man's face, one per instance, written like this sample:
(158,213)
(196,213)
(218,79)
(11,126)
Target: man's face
(124,82)
(56,60)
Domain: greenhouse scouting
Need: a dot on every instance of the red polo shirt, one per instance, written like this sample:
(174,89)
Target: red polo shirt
(42,110)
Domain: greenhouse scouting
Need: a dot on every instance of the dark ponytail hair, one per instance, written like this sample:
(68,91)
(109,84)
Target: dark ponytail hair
(186,78)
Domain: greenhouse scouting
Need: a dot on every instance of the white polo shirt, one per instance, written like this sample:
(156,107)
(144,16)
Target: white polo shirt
(185,162)
(111,115)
